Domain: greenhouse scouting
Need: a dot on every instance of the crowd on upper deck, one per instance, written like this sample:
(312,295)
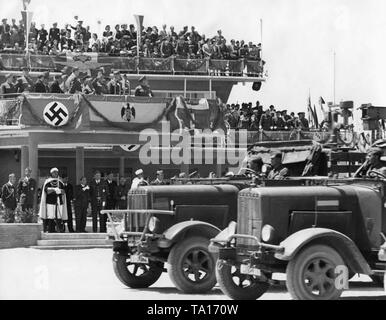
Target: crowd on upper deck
(255,118)
(121,40)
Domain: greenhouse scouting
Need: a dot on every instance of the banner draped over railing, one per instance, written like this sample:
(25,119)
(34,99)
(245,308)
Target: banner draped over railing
(155,64)
(190,65)
(254,67)
(226,66)
(49,62)
(79,111)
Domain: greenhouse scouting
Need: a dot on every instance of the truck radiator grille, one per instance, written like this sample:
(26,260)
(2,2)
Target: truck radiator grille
(135,222)
(249,218)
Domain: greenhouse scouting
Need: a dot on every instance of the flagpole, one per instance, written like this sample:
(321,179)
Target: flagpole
(261,38)
(334,76)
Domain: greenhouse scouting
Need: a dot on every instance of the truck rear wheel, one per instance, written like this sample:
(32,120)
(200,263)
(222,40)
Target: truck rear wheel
(136,275)
(191,266)
(311,274)
(239,286)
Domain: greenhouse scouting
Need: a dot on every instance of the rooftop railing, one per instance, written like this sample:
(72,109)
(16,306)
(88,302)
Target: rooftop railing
(172,65)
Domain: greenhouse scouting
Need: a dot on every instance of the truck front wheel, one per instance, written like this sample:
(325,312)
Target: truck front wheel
(239,286)
(191,265)
(311,274)
(136,275)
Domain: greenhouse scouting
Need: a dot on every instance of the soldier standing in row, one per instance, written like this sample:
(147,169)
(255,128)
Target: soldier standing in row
(98,190)
(26,190)
(8,196)
(111,198)
(82,199)
(122,191)
(69,190)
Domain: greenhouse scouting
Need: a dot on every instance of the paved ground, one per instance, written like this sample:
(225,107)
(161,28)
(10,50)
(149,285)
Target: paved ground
(88,274)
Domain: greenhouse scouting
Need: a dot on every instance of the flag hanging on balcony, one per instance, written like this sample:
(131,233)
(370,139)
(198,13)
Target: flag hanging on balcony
(316,121)
(139,21)
(310,112)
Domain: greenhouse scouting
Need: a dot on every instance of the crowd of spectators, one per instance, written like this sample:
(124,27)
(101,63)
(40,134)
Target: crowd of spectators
(255,118)
(115,84)
(121,40)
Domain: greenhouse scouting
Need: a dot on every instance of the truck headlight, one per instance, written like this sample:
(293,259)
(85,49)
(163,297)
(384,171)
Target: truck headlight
(267,233)
(153,224)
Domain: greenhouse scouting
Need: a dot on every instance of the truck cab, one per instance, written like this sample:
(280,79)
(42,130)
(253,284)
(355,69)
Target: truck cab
(173,224)
(307,232)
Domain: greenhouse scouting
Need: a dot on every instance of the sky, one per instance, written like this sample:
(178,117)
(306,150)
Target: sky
(299,38)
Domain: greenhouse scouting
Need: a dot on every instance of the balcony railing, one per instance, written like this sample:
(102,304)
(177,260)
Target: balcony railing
(172,65)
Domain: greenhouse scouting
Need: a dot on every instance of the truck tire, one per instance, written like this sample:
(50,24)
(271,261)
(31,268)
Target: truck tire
(311,274)
(227,278)
(136,275)
(191,266)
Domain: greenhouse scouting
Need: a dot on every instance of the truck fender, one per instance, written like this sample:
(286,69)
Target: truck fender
(338,241)
(178,231)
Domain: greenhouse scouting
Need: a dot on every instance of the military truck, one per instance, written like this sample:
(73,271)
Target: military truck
(172,225)
(318,234)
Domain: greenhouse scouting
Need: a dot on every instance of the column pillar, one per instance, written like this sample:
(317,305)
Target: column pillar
(79,151)
(23,159)
(33,158)
(121,166)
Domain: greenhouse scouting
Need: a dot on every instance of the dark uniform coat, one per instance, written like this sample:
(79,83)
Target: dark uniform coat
(8,196)
(122,191)
(278,174)
(98,194)
(111,197)
(82,197)
(55,87)
(26,191)
(40,87)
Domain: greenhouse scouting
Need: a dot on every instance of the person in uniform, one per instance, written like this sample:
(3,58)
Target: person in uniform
(111,196)
(98,190)
(138,180)
(69,190)
(27,80)
(82,199)
(8,87)
(278,172)
(122,191)
(302,122)
(266,121)
(115,86)
(40,85)
(53,209)
(8,196)
(73,82)
(159,180)
(143,90)
(55,86)
(26,190)
(373,163)
(54,33)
